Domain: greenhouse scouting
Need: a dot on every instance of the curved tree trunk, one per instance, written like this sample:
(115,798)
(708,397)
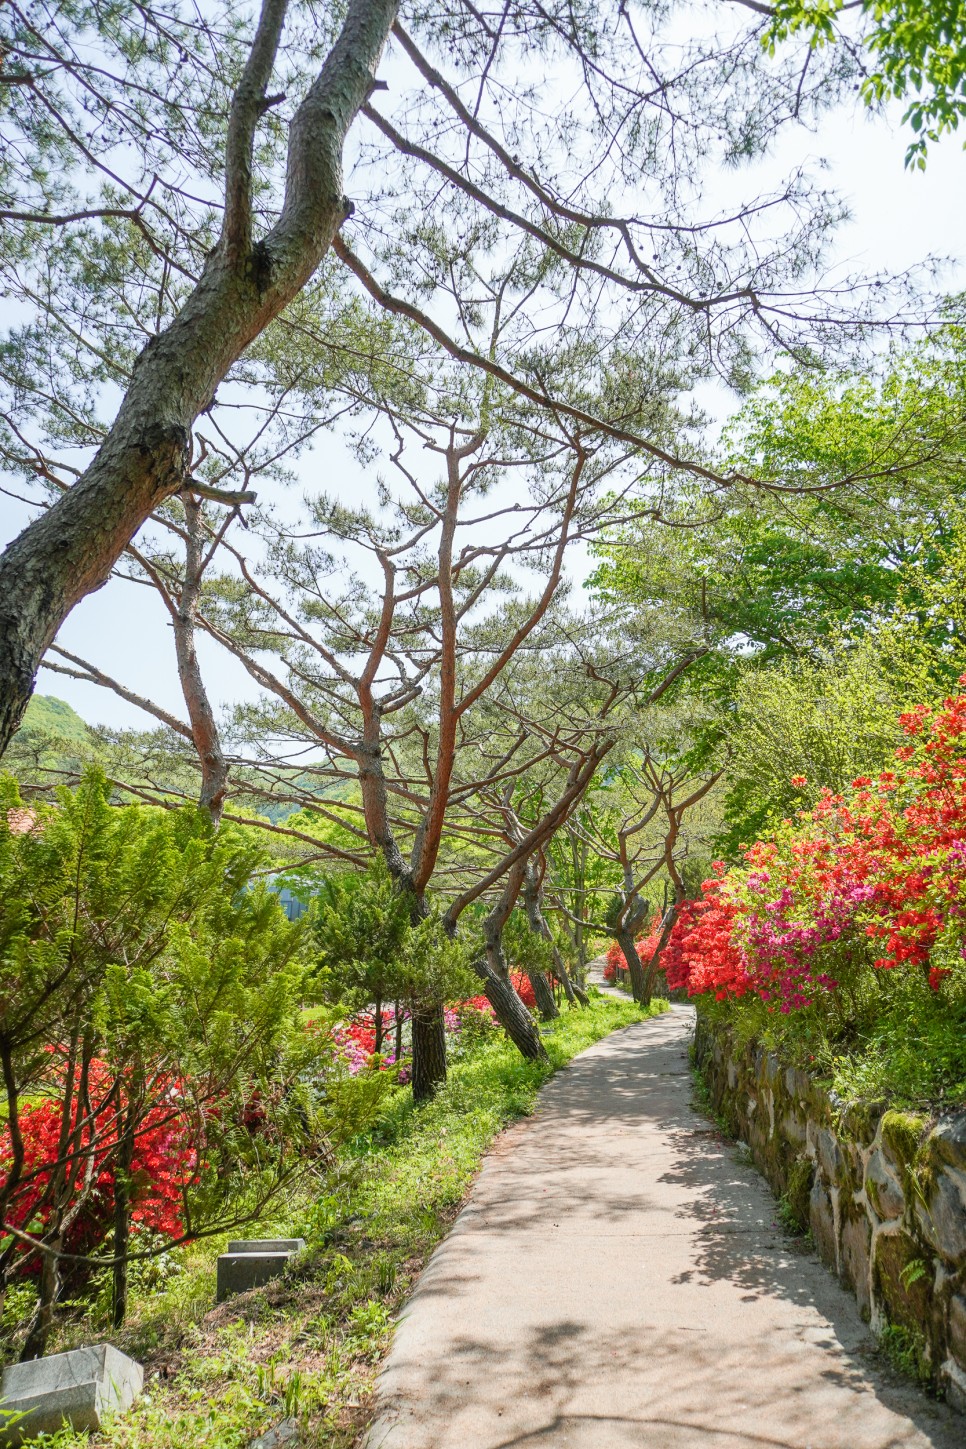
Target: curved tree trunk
(532,901)
(543,996)
(576,995)
(634,915)
(71,549)
(639,986)
(667,926)
(204,728)
(511,1013)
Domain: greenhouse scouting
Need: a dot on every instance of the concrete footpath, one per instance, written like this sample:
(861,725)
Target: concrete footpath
(618,1279)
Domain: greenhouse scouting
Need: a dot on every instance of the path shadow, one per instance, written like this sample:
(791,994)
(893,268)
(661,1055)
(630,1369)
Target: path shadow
(617,1151)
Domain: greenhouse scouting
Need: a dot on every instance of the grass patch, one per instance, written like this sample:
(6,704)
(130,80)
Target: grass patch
(309,1345)
(905,1348)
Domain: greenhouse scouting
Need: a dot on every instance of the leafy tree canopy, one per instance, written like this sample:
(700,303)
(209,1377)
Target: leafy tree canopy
(916,52)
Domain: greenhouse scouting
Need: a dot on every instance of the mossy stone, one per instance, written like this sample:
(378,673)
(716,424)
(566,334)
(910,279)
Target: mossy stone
(947,1141)
(902,1135)
(903,1280)
(859,1121)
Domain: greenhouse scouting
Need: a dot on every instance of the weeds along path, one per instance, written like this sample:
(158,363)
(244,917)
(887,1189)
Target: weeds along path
(619,1279)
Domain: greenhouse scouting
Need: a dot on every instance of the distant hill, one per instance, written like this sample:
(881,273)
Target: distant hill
(47,715)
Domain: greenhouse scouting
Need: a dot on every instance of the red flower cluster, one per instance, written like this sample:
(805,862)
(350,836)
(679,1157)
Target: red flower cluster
(645,946)
(477,1003)
(523,988)
(875,876)
(163,1162)
(700,955)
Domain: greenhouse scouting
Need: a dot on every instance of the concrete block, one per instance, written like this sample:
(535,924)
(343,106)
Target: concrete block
(78,1388)
(251,1264)
(267,1245)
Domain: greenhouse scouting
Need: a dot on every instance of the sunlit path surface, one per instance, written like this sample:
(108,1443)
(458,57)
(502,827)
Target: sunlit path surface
(618,1279)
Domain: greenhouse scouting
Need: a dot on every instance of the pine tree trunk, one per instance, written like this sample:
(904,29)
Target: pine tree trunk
(122,1223)
(575,994)
(667,926)
(204,728)
(47,1295)
(377,1044)
(640,989)
(492,970)
(146,456)
(397,1020)
(543,996)
(511,1013)
(429,1051)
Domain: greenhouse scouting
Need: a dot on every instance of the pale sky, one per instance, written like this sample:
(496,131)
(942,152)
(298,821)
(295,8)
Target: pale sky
(899,219)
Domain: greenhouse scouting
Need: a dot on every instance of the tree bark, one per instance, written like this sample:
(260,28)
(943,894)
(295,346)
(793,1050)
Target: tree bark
(429,1050)
(47,1295)
(510,1011)
(667,926)
(639,991)
(532,884)
(71,549)
(122,1220)
(543,996)
(633,918)
(204,729)
(576,995)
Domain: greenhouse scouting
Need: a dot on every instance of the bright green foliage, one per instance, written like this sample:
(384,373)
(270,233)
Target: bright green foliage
(821,722)
(829,604)
(867,477)
(135,921)
(523,947)
(918,51)
(370,947)
(137,965)
(361,927)
(827,718)
(324,1329)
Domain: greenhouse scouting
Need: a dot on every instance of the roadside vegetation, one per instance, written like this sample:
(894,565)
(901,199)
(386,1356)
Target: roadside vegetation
(308,1346)
(343,383)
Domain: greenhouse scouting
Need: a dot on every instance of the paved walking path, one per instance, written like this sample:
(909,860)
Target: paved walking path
(617,1279)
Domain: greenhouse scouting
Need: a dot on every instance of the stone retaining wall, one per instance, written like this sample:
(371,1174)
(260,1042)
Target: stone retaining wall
(883,1193)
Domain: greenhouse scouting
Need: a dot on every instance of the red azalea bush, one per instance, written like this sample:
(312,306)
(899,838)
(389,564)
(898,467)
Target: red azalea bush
(645,946)
(476,1006)
(523,988)
(869,886)
(164,1162)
